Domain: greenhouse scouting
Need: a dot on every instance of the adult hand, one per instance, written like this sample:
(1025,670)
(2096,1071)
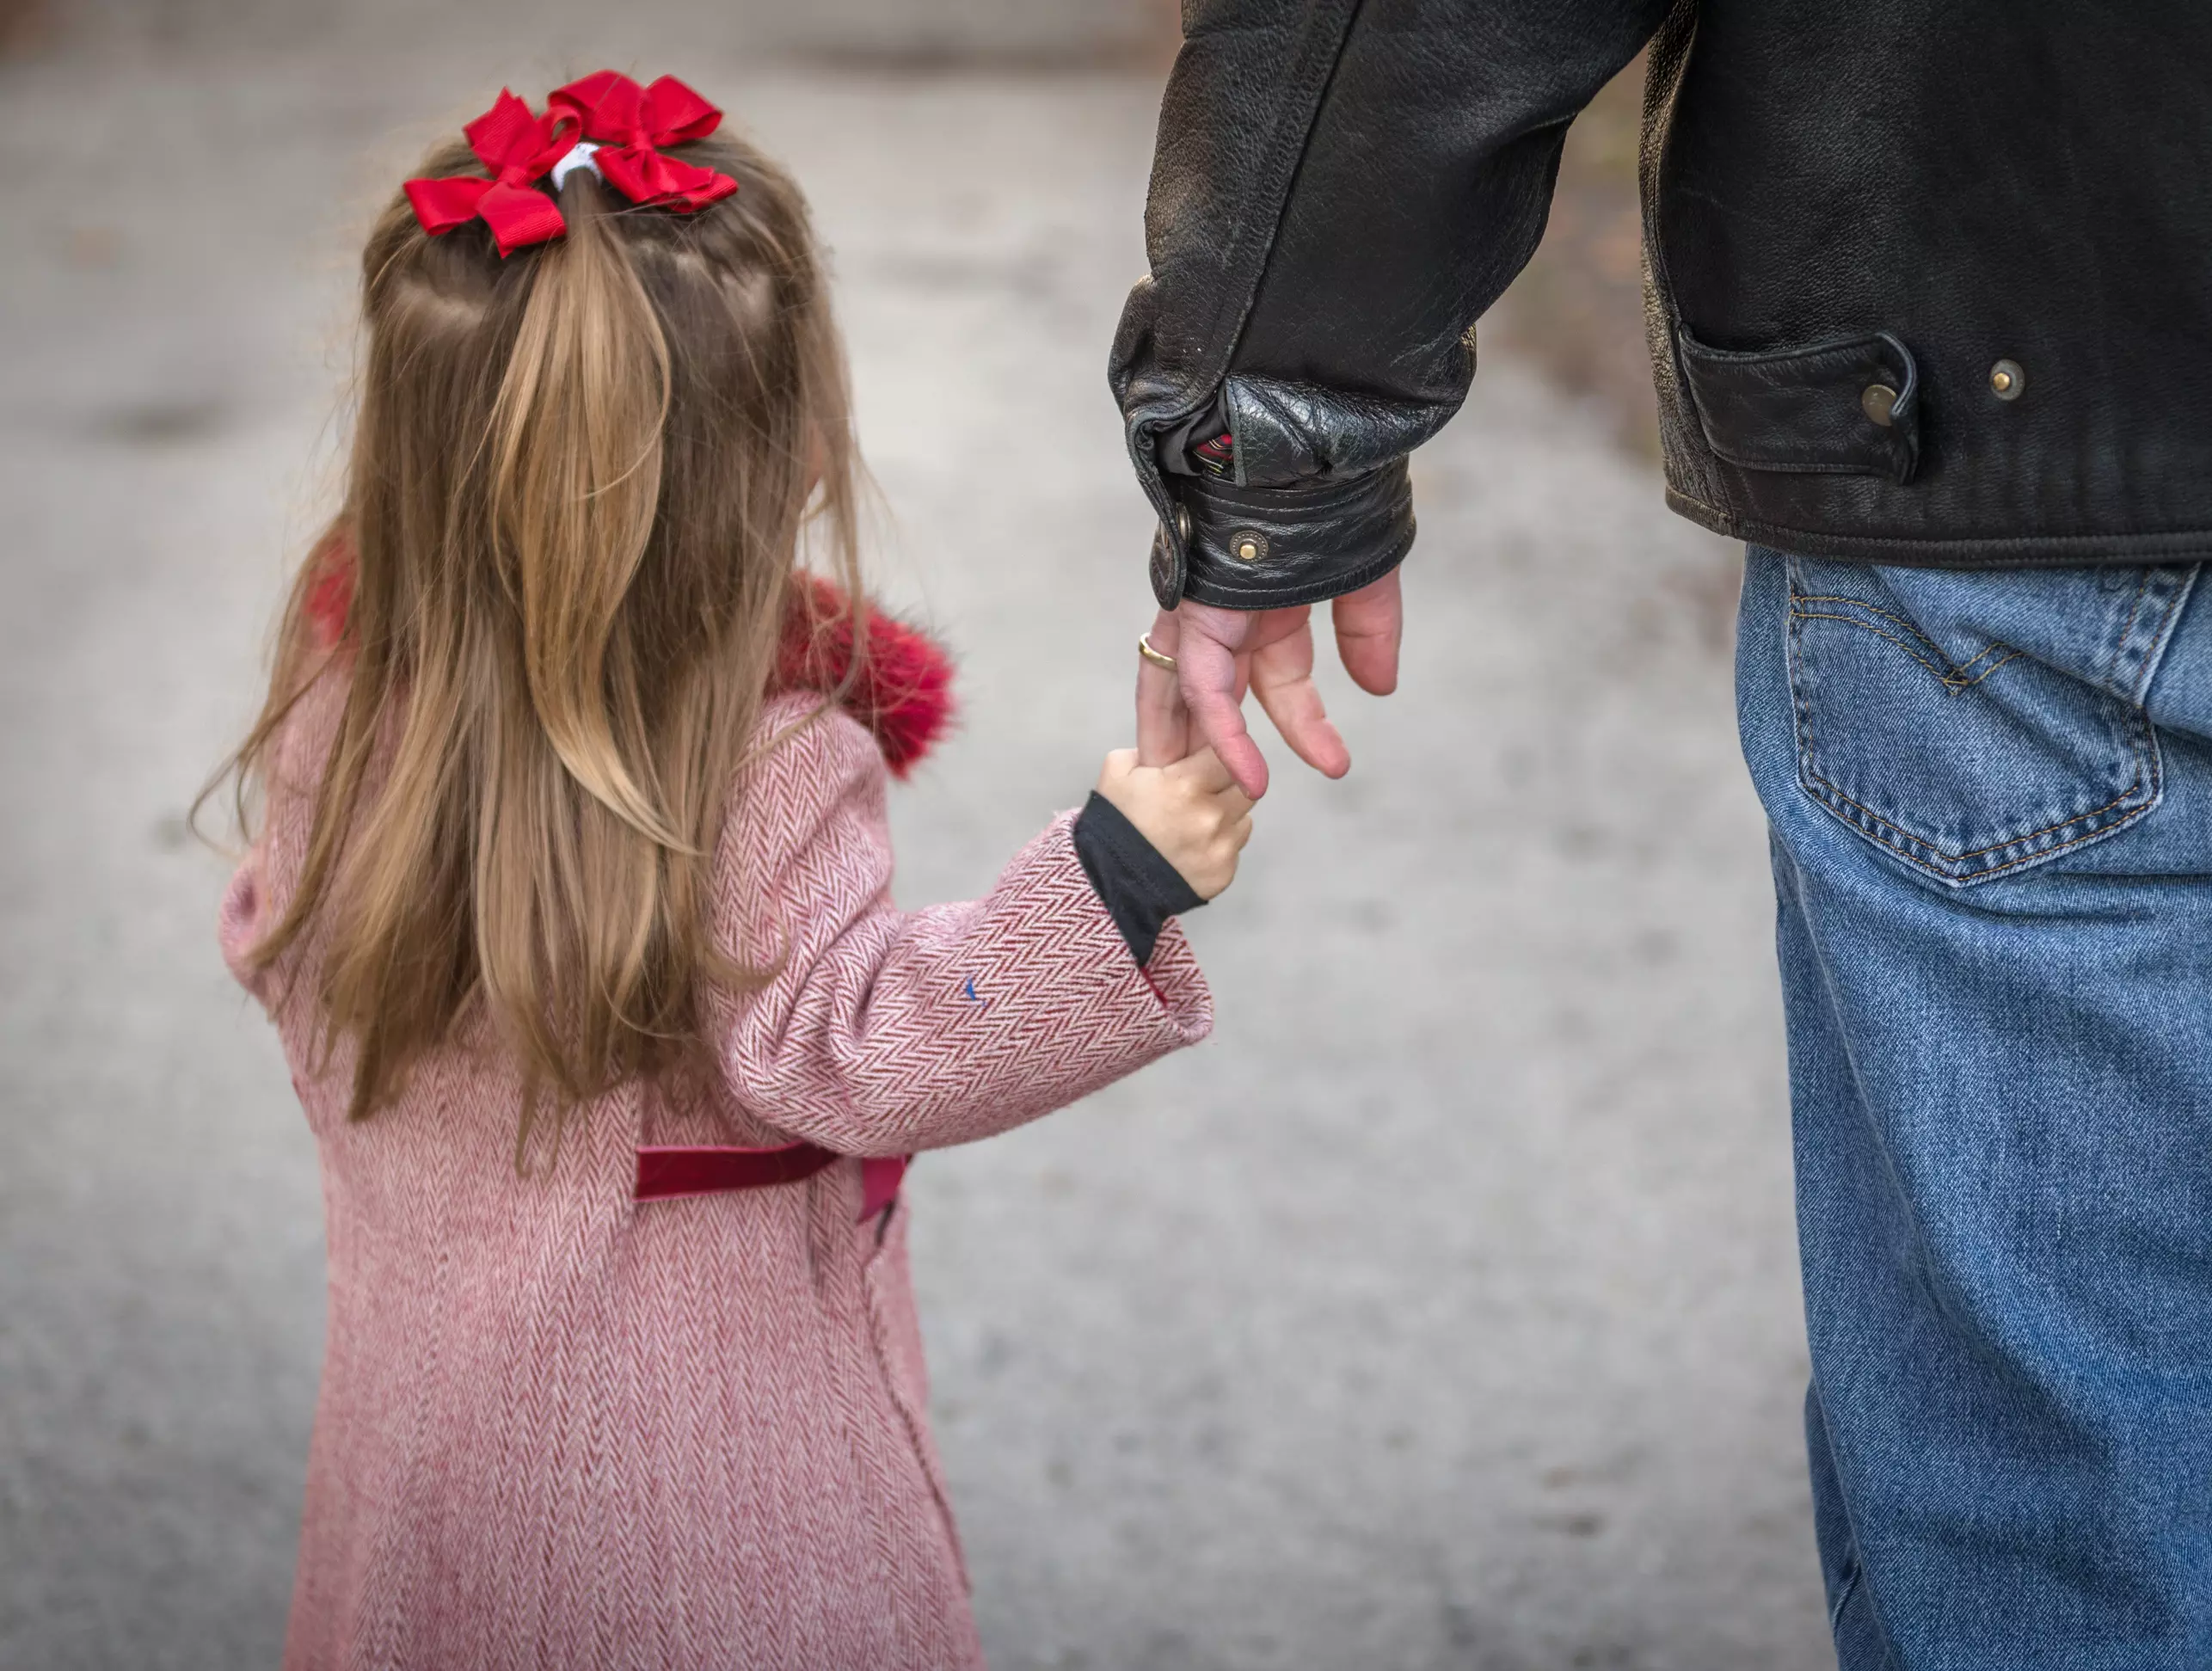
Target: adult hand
(1220,653)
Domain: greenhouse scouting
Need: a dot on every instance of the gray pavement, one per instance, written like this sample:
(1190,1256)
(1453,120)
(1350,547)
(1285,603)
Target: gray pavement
(1440,1312)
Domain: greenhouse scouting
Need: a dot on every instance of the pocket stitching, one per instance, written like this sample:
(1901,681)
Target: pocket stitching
(2000,846)
(1953,678)
(2139,746)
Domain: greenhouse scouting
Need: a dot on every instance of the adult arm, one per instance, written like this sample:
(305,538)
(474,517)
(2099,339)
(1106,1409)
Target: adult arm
(1340,188)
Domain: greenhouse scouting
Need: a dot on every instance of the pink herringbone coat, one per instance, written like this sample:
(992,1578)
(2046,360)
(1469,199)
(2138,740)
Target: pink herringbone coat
(560,1427)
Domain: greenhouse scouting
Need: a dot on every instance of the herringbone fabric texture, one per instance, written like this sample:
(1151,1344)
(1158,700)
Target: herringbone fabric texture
(559,1427)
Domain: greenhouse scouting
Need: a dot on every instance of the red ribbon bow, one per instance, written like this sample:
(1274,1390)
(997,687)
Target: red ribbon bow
(630,123)
(519,149)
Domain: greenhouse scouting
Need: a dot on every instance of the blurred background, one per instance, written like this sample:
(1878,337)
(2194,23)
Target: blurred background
(1440,1312)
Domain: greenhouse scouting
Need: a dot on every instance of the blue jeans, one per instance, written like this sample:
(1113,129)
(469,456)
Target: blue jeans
(1991,799)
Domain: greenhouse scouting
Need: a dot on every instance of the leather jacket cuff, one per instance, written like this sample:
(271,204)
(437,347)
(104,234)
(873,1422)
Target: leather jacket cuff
(1269,548)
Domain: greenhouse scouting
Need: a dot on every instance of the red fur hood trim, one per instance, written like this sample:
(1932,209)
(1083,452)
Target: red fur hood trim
(901,690)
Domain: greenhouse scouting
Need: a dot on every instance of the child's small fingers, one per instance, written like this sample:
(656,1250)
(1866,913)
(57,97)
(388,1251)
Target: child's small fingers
(1241,832)
(1117,777)
(1204,771)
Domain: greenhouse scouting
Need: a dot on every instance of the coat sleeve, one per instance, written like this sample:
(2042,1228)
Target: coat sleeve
(1340,187)
(880,1031)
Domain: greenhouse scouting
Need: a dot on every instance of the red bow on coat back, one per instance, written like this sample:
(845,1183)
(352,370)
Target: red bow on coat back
(519,149)
(629,124)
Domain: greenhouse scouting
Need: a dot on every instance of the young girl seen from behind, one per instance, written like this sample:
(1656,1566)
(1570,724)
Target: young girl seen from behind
(569,898)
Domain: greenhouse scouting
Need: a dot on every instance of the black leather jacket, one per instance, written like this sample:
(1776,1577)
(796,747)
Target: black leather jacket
(1929,281)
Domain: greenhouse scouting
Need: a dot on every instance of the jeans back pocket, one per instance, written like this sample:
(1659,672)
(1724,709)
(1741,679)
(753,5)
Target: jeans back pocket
(1973,724)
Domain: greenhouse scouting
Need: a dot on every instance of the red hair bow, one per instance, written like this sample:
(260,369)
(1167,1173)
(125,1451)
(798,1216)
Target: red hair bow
(519,149)
(630,123)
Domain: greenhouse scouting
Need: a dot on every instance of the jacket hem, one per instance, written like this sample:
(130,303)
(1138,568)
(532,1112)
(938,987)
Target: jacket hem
(1992,551)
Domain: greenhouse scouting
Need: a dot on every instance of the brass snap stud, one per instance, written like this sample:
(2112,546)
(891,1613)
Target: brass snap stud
(1877,401)
(1182,523)
(1248,544)
(2007,379)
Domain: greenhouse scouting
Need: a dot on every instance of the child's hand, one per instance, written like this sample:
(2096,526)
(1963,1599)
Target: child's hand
(1192,812)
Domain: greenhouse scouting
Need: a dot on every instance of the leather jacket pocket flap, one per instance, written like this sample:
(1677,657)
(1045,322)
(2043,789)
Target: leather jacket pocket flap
(1849,407)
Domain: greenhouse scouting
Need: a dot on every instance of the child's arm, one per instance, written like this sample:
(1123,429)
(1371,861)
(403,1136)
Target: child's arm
(885,1031)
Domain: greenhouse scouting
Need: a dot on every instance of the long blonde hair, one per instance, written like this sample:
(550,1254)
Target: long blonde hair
(578,479)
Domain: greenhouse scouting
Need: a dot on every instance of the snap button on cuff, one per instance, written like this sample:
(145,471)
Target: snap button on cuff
(1877,401)
(1248,545)
(2007,379)
(1183,523)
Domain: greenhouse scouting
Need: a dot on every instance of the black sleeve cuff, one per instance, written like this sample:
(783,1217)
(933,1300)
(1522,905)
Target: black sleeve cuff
(1139,889)
(1268,548)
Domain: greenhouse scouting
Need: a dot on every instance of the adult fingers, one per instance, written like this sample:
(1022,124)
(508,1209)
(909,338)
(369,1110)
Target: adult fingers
(1163,721)
(1282,679)
(1369,625)
(1210,684)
